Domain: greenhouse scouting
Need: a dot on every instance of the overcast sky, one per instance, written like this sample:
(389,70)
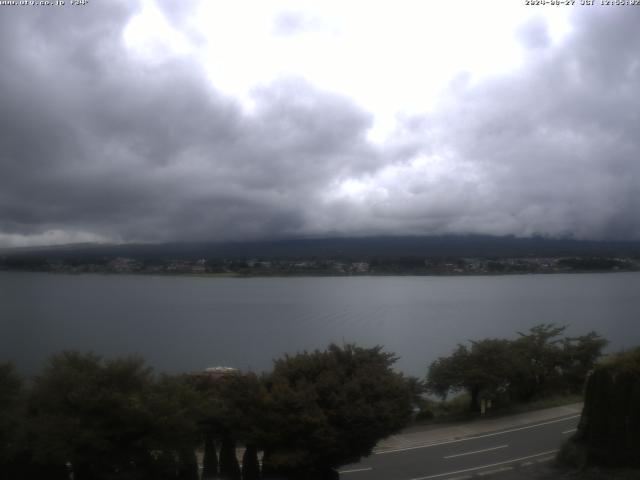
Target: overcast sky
(185,120)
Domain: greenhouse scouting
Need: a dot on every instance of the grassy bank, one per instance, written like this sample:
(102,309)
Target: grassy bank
(457,408)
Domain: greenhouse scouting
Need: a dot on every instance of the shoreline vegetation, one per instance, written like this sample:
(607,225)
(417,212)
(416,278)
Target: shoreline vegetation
(456,409)
(315,411)
(337,257)
(96,418)
(493,374)
(251,268)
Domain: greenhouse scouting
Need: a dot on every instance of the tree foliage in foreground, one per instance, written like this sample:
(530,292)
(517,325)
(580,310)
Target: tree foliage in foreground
(538,363)
(610,423)
(111,418)
(485,368)
(101,419)
(609,430)
(11,417)
(329,408)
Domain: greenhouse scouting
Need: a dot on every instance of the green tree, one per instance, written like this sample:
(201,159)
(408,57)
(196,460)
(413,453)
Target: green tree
(234,406)
(484,371)
(110,418)
(65,409)
(250,465)
(165,466)
(328,408)
(539,358)
(229,467)
(609,429)
(12,422)
(176,409)
(579,357)
(446,374)
(10,409)
(187,464)
(210,458)
(537,363)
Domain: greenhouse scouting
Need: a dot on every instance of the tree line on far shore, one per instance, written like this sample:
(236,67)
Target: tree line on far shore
(103,419)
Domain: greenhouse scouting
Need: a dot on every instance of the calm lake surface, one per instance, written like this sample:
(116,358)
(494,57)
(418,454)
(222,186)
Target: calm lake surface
(189,323)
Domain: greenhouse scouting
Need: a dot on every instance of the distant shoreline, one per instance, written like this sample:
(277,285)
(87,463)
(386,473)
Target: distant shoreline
(235,275)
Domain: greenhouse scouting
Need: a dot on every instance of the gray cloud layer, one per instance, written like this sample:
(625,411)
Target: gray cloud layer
(558,140)
(92,141)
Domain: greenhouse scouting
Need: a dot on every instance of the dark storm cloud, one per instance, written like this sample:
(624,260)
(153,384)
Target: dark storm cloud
(94,140)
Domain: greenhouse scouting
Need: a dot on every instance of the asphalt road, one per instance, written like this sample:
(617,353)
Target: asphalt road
(477,456)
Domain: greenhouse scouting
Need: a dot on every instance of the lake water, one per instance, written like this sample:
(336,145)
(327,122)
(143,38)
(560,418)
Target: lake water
(190,323)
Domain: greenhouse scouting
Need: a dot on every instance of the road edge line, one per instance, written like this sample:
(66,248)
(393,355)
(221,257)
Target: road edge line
(485,466)
(466,439)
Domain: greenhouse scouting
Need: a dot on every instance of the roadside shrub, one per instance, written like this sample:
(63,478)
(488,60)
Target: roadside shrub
(572,455)
(425,415)
(609,430)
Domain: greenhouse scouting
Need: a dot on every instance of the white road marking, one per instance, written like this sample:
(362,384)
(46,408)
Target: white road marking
(494,471)
(485,466)
(427,445)
(545,459)
(356,470)
(476,451)
(569,431)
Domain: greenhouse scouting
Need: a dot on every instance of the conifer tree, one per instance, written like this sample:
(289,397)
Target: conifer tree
(188,465)
(250,465)
(229,467)
(210,459)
